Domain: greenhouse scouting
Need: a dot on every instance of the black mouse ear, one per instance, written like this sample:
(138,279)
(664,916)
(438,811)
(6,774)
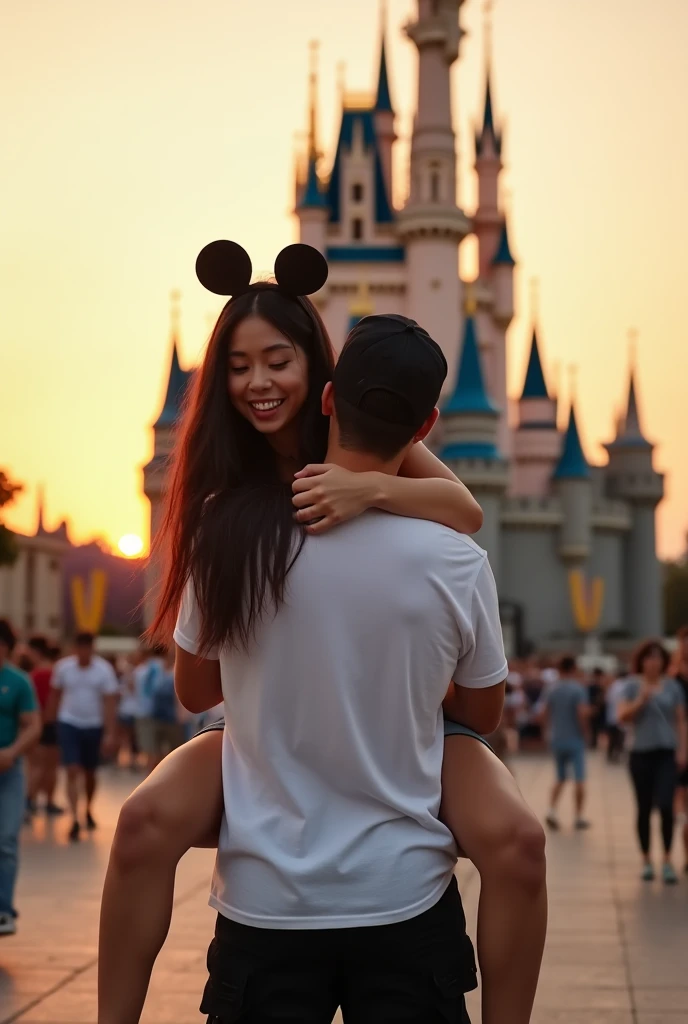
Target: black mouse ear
(301,270)
(224,268)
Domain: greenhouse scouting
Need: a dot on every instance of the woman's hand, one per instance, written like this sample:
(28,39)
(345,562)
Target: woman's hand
(331,495)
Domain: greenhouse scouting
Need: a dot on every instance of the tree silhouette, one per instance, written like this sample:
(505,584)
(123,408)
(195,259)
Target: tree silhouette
(8,544)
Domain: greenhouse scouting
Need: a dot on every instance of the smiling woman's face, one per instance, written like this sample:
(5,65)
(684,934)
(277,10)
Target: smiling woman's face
(267,376)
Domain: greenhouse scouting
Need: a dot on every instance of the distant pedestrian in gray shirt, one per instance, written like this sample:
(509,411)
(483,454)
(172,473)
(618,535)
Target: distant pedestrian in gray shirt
(566,708)
(655,707)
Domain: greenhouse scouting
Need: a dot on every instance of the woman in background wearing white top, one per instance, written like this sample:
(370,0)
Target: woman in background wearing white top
(253,422)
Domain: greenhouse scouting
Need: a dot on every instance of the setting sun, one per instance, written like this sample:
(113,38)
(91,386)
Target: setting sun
(130,545)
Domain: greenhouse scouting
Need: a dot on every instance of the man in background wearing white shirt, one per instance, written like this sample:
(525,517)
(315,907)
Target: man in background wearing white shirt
(83,700)
(334,880)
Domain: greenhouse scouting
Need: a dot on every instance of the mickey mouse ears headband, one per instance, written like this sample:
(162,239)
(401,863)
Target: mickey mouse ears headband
(225,268)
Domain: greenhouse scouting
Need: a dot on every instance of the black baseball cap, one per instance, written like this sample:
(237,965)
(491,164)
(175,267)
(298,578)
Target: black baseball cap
(393,354)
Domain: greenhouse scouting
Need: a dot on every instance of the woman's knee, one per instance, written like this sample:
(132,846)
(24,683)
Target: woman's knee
(143,834)
(517,852)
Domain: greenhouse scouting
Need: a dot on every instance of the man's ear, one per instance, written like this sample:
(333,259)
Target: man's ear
(427,426)
(328,399)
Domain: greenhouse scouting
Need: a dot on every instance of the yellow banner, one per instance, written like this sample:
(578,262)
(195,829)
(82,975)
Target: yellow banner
(587,600)
(89,611)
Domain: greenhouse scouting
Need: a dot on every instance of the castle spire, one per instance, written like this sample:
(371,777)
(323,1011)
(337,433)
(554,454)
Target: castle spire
(503,254)
(383,99)
(572,465)
(313,152)
(178,378)
(534,385)
(40,509)
(489,132)
(629,431)
(470,394)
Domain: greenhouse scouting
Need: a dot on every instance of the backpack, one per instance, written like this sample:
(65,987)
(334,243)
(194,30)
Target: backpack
(164,703)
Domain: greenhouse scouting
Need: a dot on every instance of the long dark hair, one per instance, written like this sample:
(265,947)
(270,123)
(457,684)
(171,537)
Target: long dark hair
(229,519)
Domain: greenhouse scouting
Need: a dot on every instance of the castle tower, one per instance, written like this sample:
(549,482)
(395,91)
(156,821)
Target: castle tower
(631,476)
(470,426)
(311,206)
(431,224)
(384,114)
(155,472)
(537,442)
(573,482)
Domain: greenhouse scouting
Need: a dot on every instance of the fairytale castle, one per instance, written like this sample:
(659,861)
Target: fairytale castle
(572,545)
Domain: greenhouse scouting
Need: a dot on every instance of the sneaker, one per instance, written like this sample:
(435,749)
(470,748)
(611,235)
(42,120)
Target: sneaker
(582,824)
(75,832)
(8,925)
(552,821)
(648,874)
(669,876)
(90,823)
(54,810)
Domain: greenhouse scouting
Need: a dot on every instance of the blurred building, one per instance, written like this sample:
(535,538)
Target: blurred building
(56,588)
(572,545)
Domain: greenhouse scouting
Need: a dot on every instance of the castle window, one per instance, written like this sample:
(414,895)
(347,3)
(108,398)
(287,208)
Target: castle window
(357,192)
(434,184)
(357,229)
(30,579)
(54,565)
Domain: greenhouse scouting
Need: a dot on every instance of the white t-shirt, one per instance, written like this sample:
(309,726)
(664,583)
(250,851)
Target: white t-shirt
(334,732)
(83,690)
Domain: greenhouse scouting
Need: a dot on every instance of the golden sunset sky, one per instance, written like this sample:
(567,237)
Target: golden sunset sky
(135,132)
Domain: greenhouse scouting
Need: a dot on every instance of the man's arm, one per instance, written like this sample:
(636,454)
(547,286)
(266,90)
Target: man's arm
(197,681)
(27,736)
(480,710)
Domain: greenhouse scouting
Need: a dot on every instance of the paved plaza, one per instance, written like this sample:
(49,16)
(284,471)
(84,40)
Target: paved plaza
(617,951)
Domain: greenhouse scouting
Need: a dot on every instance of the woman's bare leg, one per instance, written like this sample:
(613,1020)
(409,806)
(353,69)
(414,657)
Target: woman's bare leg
(494,827)
(178,806)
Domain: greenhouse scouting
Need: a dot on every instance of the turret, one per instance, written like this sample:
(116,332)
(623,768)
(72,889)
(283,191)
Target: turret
(384,115)
(573,482)
(631,477)
(155,472)
(536,440)
(503,264)
(311,206)
(431,224)
(470,422)
(488,165)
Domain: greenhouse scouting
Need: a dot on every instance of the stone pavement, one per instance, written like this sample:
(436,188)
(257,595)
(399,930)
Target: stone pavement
(617,951)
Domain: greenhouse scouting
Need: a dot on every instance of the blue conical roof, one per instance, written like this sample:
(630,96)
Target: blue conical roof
(572,465)
(534,385)
(313,197)
(630,433)
(176,388)
(503,254)
(470,395)
(489,128)
(383,100)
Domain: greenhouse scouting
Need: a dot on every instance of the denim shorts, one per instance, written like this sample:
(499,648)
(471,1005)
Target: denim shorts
(574,756)
(79,746)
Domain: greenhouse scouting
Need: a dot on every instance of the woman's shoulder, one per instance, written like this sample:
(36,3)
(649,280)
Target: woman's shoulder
(673,687)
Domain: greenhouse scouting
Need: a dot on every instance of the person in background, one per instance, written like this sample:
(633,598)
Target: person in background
(44,759)
(565,707)
(83,700)
(654,705)
(596,700)
(20,727)
(168,728)
(149,664)
(616,734)
(126,715)
(681,677)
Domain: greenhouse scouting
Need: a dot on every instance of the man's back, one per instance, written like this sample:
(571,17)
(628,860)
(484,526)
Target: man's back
(564,700)
(333,744)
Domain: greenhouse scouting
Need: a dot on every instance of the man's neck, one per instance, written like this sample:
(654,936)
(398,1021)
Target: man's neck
(360,462)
